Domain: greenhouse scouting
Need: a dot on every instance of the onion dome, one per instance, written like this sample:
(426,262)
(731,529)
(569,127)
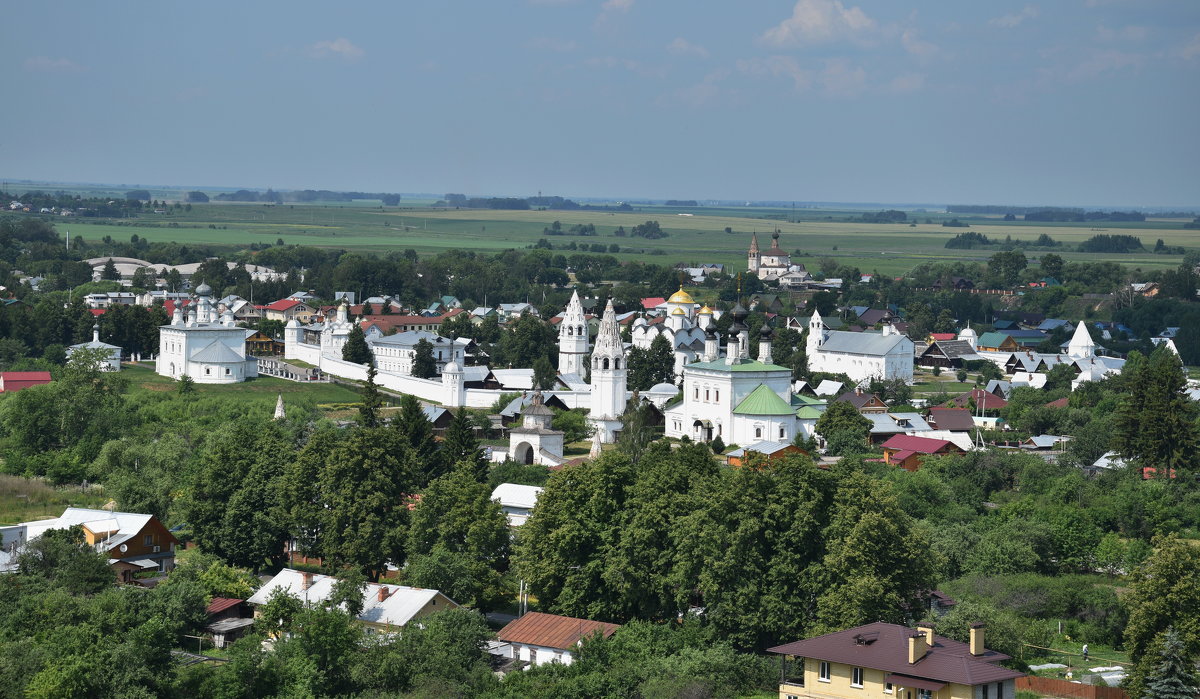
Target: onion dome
(680,296)
(204,290)
(704,310)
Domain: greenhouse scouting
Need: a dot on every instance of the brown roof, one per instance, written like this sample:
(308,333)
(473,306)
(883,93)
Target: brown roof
(858,399)
(552,630)
(953,419)
(884,647)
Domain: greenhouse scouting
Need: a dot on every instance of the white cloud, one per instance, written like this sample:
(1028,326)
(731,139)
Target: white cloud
(543,43)
(45,64)
(1130,33)
(842,79)
(914,45)
(1192,50)
(815,21)
(683,47)
(616,5)
(907,82)
(776,66)
(1015,19)
(340,47)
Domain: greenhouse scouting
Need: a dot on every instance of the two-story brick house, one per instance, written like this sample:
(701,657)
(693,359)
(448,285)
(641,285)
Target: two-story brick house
(890,661)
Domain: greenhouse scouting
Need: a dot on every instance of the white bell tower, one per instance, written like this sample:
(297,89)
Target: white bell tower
(573,339)
(609,375)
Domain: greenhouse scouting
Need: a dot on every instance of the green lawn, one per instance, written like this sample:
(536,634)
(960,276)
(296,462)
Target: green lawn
(263,390)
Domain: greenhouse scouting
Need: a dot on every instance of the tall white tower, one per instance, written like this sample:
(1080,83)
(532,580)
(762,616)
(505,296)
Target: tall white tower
(753,258)
(573,339)
(816,333)
(608,378)
(454,385)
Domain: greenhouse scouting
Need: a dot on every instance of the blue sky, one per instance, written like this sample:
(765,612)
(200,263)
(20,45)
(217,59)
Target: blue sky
(1086,102)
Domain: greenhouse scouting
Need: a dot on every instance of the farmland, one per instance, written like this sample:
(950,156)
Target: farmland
(699,235)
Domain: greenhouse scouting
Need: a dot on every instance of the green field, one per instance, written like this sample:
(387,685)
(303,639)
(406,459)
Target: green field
(263,390)
(891,249)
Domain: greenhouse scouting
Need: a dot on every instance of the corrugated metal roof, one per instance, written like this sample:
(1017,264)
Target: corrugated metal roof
(397,609)
(921,445)
(553,631)
(516,495)
(867,344)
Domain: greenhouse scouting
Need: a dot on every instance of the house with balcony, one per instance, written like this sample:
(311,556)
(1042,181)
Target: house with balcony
(134,542)
(890,661)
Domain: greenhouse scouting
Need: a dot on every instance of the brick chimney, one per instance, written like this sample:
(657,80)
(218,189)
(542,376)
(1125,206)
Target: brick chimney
(927,629)
(916,648)
(383,593)
(307,583)
(977,638)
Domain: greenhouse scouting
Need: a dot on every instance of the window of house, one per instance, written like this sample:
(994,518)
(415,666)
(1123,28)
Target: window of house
(717,395)
(782,432)
(148,540)
(856,679)
(207,371)
(924,694)
(758,433)
(887,687)
(697,393)
(706,396)
(227,371)
(823,672)
(999,690)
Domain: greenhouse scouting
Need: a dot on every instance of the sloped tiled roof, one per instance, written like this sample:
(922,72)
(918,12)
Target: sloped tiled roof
(553,631)
(883,646)
(954,419)
(919,445)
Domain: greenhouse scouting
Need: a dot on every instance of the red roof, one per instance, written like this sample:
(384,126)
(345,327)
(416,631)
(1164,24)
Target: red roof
(387,322)
(920,445)
(653,302)
(282,305)
(220,604)
(1060,403)
(96,311)
(552,630)
(169,305)
(13,381)
(941,337)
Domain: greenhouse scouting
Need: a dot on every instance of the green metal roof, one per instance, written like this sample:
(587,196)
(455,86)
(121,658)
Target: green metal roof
(763,401)
(740,365)
(799,400)
(810,412)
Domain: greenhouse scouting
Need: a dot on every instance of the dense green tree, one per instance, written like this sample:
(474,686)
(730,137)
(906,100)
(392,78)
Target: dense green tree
(361,491)
(1175,675)
(356,348)
(424,366)
(456,515)
(63,557)
(1162,595)
(544,375)
(372,401)
(845,429)
(573,424)
(652,366)
(460,445)
(1155,425)
(636,432)
(417,432)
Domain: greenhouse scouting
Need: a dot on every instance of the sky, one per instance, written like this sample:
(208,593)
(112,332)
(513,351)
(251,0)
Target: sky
(1054,102)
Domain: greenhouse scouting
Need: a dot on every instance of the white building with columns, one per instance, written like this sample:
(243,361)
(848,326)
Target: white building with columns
(860,356)
(609,378)
(208,348)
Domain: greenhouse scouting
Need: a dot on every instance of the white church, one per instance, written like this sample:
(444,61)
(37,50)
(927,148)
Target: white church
(683,326)
(200,344)
(861,356)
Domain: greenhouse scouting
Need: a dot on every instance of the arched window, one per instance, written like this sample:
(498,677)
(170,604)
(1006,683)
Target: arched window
(758,433)
(579,331)
(606,362)
(616,363)
(782,432)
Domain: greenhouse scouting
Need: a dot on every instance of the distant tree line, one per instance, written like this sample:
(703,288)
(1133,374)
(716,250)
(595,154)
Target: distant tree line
(305,196)
(889,216)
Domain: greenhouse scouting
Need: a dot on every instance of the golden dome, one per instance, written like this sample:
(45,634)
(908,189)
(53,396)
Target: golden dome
(705,310)
(680,296)
(678,312)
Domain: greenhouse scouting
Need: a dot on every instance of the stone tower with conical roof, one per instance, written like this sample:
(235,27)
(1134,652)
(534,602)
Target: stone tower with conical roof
(1081,345)
(573,339)
(609,377)
(754,257)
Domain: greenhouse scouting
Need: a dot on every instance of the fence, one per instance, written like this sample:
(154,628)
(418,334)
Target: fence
(1062,688)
